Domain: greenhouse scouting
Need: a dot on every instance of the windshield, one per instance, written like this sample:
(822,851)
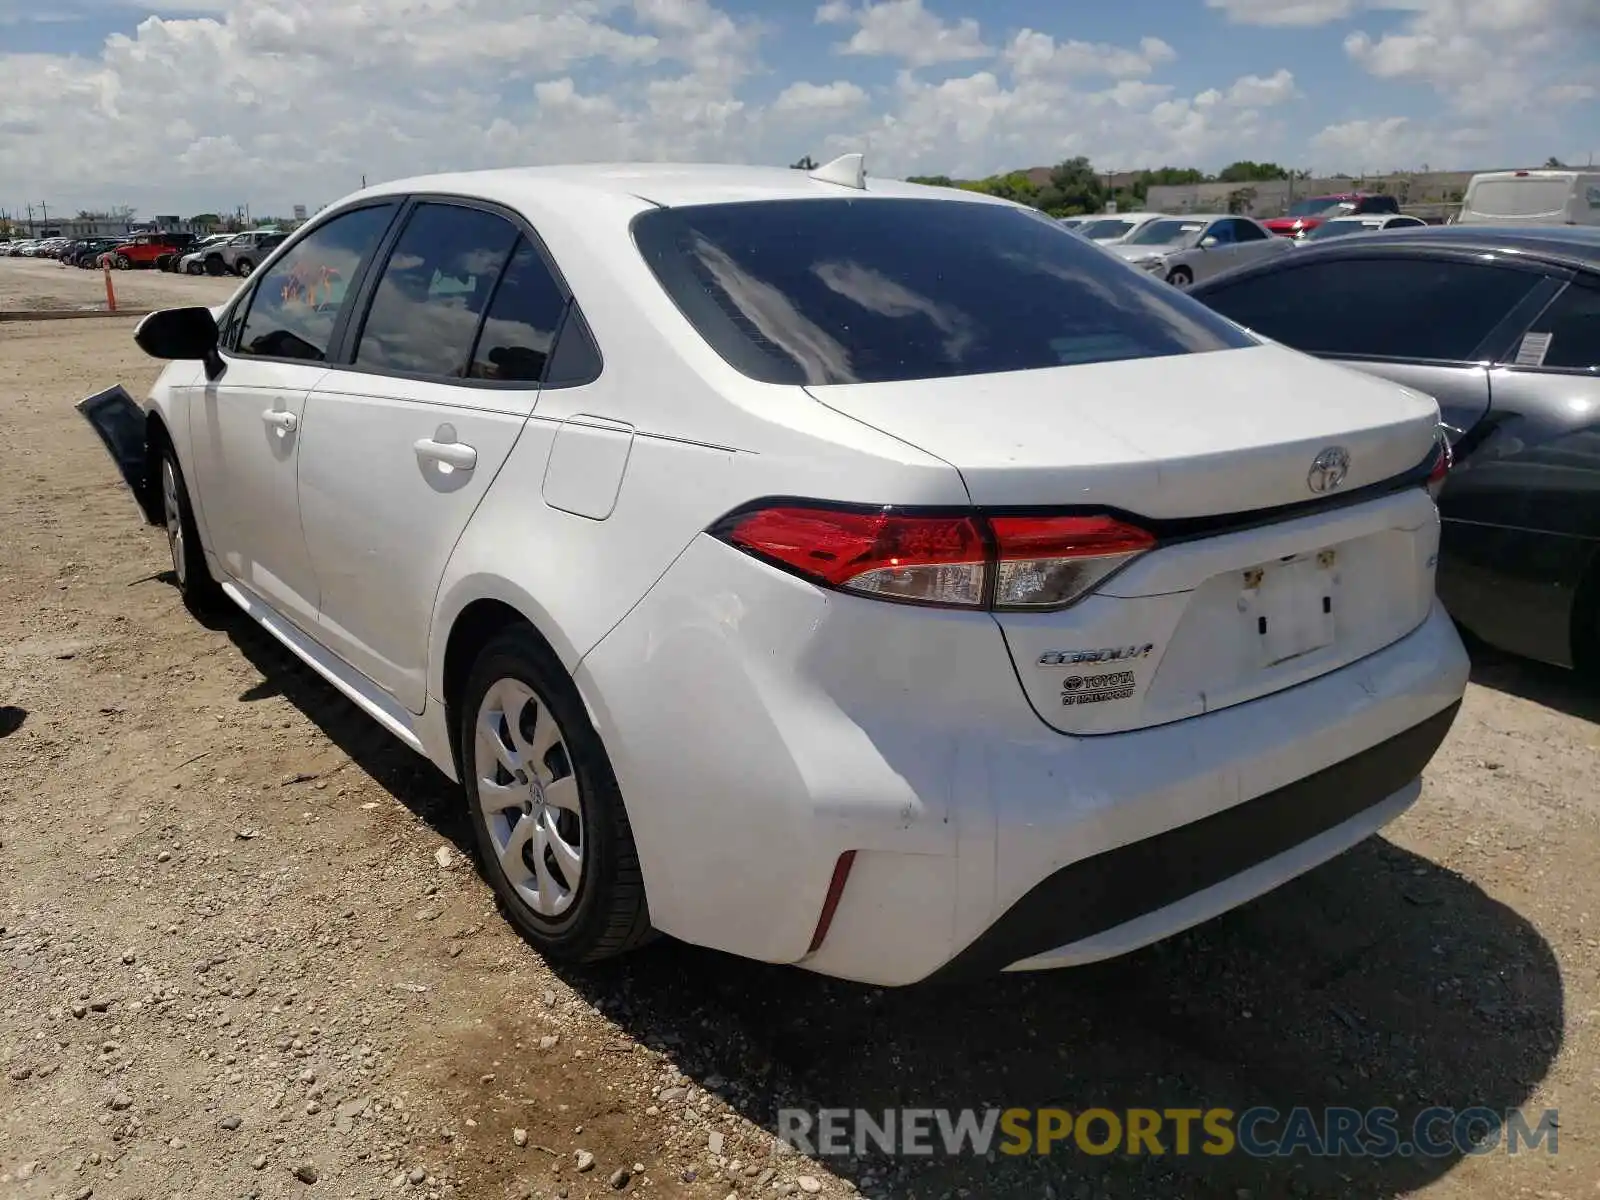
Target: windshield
(1315,206)
(1333,229)
(1167,233)
(884,290)
(1103,231)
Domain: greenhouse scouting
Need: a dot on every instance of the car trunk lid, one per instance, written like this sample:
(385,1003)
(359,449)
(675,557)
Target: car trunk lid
(1225,432)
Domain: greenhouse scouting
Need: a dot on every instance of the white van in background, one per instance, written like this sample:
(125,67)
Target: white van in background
(1532,198)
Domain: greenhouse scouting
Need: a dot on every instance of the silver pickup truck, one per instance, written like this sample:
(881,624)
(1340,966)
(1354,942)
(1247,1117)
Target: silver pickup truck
(244,253)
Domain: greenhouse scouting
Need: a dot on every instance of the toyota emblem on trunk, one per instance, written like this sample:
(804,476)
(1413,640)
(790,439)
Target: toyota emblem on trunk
(1328,470)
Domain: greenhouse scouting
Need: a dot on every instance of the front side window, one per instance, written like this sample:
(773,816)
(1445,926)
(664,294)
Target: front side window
(296,305)
(1401,308)
(433,290)
(882,290)
(1248,231)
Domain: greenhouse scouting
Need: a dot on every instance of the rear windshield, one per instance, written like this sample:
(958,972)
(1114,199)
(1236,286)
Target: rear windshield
(1519,197)
(1104,231)
(885,290)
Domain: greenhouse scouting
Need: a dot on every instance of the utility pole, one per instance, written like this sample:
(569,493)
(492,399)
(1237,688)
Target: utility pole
(44,210)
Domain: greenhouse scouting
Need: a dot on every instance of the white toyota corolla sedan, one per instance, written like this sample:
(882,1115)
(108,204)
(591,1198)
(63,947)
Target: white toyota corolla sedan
(833,571)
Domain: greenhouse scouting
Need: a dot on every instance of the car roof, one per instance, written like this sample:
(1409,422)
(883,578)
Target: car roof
(1576,247)
(666,185)
(1555,242)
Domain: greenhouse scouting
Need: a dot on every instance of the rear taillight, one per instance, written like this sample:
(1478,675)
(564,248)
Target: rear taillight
(957,560)
(1443,460)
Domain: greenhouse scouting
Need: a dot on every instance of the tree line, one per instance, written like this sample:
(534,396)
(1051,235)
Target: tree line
(1076,187)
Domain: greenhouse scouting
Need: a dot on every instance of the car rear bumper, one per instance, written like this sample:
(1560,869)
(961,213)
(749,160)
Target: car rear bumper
(1121,899)
(761,728)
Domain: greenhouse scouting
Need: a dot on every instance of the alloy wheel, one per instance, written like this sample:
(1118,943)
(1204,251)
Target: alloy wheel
(172,512)
(529,795)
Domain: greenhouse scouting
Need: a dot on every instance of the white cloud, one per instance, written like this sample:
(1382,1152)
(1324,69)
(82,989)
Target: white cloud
(904,29)
(1253,91)
(1571,93)
(1284,12)
(1486,56)
(1032,53)
(276,102)
(827,99)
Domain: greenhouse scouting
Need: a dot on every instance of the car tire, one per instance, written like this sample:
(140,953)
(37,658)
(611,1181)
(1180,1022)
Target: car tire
(243,267)
(215,266)
(1180,277)
(554,840)
(193,577)
(121,262)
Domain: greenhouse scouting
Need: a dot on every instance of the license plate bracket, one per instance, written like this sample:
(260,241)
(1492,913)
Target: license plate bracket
(1290,607)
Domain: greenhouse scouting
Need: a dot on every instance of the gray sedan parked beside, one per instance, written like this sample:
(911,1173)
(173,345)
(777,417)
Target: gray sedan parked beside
(1502,327)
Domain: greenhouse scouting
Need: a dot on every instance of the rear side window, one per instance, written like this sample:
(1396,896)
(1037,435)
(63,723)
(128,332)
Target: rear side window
(1376,307)
(1567,334)
(882,290)
(433,289)
(516,339)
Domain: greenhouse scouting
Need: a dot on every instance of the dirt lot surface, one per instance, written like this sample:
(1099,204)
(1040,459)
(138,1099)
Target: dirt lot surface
(33,285)
(231,962)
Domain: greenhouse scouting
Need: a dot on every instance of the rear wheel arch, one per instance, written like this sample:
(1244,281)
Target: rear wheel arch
(473,628)
(486,636)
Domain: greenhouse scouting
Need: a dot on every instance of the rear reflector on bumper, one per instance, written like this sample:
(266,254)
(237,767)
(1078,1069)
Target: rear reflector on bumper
(830,903)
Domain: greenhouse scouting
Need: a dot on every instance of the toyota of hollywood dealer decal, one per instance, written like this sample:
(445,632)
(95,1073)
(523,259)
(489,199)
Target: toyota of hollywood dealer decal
(1102,686)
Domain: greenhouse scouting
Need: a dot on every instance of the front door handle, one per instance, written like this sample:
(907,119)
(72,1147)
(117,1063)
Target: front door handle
(453,454)
(278,419)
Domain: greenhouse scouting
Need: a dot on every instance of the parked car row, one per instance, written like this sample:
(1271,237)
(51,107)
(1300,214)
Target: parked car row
(219,254)
(32,247)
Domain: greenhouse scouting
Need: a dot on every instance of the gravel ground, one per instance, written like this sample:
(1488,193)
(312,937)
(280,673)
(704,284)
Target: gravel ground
(37,284)
(243,953)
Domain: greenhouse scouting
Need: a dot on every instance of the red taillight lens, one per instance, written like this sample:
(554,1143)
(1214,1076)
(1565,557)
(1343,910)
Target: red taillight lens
(930,560)
(960,560)
(1444,459)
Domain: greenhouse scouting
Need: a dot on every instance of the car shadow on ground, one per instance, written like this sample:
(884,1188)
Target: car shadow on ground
(11,719)
(409,777)
(1553,687)
(1380,980)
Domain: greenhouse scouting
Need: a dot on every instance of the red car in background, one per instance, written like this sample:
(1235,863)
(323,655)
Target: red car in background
(143,249)
(1305,215)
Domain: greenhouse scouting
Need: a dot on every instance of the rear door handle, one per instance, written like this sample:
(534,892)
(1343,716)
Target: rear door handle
(454,454)
(278,419)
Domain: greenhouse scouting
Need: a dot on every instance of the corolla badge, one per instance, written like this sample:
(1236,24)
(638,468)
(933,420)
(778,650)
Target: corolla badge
(1328,470)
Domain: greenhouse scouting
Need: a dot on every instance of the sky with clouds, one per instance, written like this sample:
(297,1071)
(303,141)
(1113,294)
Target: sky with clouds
(201,105)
